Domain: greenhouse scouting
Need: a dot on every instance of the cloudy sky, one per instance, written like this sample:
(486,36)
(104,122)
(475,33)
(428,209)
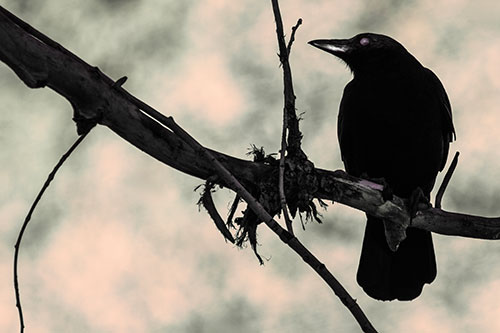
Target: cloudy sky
(118,244)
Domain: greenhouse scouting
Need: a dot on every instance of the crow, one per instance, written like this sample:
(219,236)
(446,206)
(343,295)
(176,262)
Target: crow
(395,124)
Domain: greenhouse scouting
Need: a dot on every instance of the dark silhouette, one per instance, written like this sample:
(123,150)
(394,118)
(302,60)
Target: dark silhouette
(394,123)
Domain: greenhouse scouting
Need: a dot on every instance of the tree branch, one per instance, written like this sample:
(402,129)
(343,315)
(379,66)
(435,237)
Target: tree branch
(92,95)
(207,202)
(286,114)
(285,236)
(292,36)
(294,135)
(297,156)
(367,197)
(27,219)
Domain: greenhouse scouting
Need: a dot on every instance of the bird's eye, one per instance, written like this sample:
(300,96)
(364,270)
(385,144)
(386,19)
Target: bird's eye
(364,41)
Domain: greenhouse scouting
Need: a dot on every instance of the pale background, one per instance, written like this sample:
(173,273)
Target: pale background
(118,244)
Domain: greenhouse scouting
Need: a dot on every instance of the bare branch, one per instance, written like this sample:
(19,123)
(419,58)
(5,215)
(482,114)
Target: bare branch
(291,125)
(294,134)
(285,236)
(367,197)
(27,220)
(285,127)
(292,36)
(208,203)
(92,94)
(232,211)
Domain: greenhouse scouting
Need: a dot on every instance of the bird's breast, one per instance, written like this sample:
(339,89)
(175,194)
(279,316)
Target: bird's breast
(391,130)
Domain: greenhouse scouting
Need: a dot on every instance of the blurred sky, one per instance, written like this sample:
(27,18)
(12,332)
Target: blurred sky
(117,244)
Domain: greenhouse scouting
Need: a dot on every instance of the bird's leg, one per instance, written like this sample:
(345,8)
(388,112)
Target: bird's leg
(387,192)
(395,233)
(417,201)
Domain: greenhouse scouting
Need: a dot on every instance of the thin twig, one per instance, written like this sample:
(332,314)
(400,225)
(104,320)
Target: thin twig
(209,205)
(28,218)
(294,135)
(232,211)
(292,36)
(284,235)
(446,180)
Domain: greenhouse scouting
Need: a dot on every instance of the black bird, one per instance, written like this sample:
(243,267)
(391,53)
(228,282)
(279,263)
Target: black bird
(394,123)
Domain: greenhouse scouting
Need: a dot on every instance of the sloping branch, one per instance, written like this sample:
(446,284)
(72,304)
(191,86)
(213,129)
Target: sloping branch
(285,236)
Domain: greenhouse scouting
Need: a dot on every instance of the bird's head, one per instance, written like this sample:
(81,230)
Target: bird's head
(367,52)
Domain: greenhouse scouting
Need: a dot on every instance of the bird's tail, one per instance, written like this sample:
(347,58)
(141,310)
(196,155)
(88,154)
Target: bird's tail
(387,275)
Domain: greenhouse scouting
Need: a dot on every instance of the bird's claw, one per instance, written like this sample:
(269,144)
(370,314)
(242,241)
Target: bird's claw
(417,201)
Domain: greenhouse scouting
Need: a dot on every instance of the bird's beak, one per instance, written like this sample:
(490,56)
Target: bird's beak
(336,47)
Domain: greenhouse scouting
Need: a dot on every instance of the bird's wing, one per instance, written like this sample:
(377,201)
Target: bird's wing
(343,142)
(446,116)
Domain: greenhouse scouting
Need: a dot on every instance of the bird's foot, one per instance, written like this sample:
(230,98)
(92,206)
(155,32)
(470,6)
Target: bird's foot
(418,201)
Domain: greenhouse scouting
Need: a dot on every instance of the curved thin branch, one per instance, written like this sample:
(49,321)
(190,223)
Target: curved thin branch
(208,202)
(27,220)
